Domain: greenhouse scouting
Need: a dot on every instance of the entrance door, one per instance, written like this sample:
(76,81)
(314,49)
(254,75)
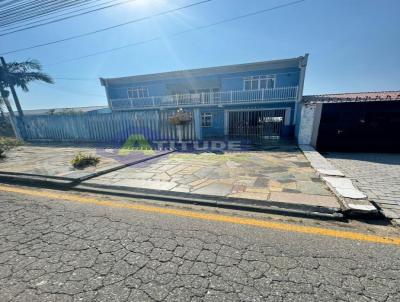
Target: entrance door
(260,124)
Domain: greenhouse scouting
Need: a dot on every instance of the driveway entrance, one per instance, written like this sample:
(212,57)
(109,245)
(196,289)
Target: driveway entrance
(360,127)
(282,174)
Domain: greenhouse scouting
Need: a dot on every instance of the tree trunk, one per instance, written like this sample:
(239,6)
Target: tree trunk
(14,93)
(1,110)
(11,115)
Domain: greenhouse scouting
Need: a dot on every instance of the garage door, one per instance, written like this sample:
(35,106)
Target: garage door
(260,124)
(363,127)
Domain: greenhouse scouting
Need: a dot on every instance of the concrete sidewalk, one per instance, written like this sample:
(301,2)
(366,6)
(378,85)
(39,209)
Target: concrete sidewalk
(375,174)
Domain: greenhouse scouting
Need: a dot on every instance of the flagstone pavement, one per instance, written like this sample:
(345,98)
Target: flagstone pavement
(283,174)
(55,160)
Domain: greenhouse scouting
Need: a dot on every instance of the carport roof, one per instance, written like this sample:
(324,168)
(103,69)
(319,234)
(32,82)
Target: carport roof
(353,97)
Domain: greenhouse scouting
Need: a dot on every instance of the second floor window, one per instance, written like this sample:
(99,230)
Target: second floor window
(259,82)
(138,92)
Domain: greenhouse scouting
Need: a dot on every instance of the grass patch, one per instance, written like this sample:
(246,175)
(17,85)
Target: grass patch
(81,161)
(7,143)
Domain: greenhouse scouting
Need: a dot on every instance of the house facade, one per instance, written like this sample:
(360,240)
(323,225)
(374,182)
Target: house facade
(254,100)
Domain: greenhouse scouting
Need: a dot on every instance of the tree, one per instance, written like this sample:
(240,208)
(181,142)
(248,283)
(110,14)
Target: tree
(2,104)
(4,99)
(20,74)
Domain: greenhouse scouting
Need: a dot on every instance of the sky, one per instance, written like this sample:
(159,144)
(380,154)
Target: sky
(354,45)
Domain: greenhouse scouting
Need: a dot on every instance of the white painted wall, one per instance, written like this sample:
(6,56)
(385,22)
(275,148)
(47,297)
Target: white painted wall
(306,128)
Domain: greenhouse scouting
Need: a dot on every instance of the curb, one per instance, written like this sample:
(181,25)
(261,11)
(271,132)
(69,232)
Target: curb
(215,201)
(253,205)
(34,180)
(356,206)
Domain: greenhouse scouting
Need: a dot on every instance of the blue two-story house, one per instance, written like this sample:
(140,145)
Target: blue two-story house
(253,100)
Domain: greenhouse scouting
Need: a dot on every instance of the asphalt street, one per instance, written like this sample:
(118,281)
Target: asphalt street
(54,249)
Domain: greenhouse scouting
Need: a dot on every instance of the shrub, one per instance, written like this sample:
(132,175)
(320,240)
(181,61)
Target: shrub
(6,129)
(81,160)
(7,143)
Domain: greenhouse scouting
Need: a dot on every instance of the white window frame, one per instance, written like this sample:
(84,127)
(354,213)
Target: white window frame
(206,115)
(141,92)
(259,78)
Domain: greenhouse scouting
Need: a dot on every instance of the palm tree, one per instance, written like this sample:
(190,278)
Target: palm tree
(20,74)
(4,100)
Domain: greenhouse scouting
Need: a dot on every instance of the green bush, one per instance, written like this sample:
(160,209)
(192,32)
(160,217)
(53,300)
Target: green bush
(6,129)
(81,160)
(7,143)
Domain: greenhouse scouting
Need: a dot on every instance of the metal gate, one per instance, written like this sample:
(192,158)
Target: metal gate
(260,124)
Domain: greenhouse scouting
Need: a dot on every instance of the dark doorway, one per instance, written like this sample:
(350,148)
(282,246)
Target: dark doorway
(256,124)
(361,127)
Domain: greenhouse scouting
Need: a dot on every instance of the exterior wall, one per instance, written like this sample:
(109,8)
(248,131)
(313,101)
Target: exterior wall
(284,77)
(225,82)
(289,76)
(309,124)
(217,129)
(220,118)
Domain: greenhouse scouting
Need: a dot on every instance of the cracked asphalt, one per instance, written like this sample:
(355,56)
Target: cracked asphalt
(55,250)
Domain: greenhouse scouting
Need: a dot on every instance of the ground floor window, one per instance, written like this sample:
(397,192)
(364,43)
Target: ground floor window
(206,120)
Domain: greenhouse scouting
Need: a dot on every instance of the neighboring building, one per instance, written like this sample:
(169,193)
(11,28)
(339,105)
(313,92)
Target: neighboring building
(365,121)
(71,110)
(258,100)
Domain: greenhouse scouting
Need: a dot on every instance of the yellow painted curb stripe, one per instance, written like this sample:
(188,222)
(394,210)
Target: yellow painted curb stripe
(208,216)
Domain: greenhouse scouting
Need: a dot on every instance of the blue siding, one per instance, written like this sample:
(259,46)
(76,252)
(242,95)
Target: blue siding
(284,77)
(226,82)
(217,129)
(287,74)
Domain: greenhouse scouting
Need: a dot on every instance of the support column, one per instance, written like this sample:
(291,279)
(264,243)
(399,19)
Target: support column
(197,123)
(317,120)
(309,124)
(226,123)
(302,66)
(287,117)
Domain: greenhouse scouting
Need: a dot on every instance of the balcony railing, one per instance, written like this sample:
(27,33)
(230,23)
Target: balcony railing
(208,98)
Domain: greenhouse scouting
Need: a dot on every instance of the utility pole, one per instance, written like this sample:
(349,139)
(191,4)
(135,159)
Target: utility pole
(13,92)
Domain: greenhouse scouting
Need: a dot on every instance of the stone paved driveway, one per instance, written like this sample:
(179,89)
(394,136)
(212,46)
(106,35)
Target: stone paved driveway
(55,160)
(282,175)
(376,174)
